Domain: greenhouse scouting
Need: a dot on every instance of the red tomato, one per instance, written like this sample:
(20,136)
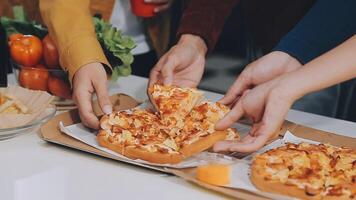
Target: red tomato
(50,53)
(35,79)
(59,87)
(14,37)
(26,50)
(40,66)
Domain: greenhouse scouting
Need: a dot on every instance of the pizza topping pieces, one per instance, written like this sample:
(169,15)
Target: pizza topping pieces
(171,144)
(232,134)
(172,101)
(126,137)
(143,127)
(178,122)
(317,169)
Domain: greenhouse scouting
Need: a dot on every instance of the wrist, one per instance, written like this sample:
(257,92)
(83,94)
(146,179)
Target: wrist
(196,41)
(290,88)
(289,62)
(89,69)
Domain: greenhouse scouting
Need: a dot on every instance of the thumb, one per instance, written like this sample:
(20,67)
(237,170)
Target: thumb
(103,96)
(272,119)
(236,89)
(230,118)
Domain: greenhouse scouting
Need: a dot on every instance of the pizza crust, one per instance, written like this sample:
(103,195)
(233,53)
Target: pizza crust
(203,143)
(289,190)
(257,178)
(153,157)
(158,157)
(104,142)
(137,153)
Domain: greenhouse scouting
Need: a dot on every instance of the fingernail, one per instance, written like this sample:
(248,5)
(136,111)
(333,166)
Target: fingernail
(156,10)
(107,109)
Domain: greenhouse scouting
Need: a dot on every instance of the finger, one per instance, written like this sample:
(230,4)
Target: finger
(153,77)
(273,117)
(222,146)
(267,129)
(101,90)
(167,70)
(155,72)
(251,146)
(83,101)
(162,8)
(184,83)
(238,87)
(247,139)
(230,118)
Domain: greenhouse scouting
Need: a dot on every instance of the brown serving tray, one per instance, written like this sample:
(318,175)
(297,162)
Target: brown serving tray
(51,133)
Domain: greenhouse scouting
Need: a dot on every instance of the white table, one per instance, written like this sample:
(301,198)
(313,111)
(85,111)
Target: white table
(34,169)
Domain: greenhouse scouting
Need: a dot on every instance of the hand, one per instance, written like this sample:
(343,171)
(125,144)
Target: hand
(164,4)
(264,69)
(183,65)
(89,79)
(267,105)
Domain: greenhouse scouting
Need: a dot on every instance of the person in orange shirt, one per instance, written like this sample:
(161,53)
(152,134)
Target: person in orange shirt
(70,26)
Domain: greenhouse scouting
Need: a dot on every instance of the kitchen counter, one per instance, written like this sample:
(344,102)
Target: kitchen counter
(31,168)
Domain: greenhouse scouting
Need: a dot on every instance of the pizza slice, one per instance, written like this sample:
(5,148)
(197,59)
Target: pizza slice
(174,103)
(307,171)
(199,131)
(140,134)
(135,134)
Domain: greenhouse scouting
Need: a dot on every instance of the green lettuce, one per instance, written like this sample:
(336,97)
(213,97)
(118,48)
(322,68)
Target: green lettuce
(118,47)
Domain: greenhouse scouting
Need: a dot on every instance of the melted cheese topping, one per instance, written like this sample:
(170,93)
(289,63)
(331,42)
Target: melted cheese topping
(146,129)
(318,169)
(174,102)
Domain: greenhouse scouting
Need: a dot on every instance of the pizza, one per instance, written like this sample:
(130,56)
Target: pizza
(307,171)
(173,103)
(141,134)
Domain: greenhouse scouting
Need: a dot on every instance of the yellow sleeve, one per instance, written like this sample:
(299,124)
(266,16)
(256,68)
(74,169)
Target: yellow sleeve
(70,26)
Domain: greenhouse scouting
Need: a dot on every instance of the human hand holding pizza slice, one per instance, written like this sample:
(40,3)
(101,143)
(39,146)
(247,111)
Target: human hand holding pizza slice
(267,105)
(183,65)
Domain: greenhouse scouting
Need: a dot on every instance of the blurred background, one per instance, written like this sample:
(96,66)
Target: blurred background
(252,30)
(222,66)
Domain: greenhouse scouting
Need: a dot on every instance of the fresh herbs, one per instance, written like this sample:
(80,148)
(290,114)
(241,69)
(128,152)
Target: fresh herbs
(117,45)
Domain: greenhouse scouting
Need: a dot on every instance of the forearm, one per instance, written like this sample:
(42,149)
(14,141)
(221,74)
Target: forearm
(70,26)
(205,18)
(333,67)
(327,24)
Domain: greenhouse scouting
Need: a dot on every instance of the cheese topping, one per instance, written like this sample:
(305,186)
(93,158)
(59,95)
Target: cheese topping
(317,169)
(179,121)
(172,101)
